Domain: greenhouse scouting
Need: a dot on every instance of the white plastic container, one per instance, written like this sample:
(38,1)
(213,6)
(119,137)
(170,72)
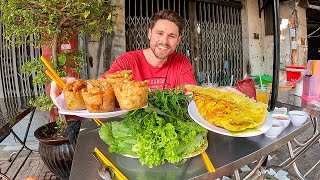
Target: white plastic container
(299,88)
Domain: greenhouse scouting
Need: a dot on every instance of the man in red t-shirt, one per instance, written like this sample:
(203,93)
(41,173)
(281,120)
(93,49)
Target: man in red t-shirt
(175,71)
(160,63)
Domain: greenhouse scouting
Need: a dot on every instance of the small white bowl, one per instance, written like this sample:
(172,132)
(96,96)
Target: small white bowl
(275,130)
(282,117)
(298,117)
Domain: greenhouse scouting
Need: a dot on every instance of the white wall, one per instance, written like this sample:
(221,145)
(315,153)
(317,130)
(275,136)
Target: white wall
(259,52)
(253,48)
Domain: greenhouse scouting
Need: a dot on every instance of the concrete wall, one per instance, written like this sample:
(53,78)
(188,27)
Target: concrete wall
(118,44)
(285,45)
(103,50)
(286,11)
(302,36)
(258,53)
(253,48)
(245,38)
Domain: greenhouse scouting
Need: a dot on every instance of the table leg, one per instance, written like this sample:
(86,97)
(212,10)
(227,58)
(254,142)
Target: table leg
(312,167)
(237,175)
(314,121)
(293,163)
(24,146)
(256,167)
(303,147)
(297,156)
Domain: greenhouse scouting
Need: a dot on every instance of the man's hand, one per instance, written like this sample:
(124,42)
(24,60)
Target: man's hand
(55,90)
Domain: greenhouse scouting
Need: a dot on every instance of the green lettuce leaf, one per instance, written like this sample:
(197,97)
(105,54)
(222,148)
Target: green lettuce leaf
(163,131)
(118,137)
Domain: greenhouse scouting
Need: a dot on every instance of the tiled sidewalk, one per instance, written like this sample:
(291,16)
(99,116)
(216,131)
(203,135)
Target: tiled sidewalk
(34,166)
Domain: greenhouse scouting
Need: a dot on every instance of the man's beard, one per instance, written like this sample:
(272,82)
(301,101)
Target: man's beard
(160,55)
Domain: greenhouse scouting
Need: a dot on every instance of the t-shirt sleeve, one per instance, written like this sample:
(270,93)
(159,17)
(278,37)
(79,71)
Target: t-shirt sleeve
(119,64)
(186,74)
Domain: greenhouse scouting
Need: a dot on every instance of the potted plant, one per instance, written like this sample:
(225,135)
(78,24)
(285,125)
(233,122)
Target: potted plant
(53,23)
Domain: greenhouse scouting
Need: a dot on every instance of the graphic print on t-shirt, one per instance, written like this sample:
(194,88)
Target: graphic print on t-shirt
(158,83)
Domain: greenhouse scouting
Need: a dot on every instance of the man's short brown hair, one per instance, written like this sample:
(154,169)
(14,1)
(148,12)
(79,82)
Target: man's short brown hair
(170,16)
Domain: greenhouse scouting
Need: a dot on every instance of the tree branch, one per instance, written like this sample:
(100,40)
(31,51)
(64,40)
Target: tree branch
(65,7)
(43,5)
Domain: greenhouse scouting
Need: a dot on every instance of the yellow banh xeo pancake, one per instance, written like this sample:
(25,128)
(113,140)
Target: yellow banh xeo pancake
(232,111)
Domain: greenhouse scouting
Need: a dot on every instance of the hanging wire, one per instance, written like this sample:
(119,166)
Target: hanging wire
(310,35)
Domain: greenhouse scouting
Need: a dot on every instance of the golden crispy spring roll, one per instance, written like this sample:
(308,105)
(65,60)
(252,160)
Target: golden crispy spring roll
(72,95)
(132,95)
(99,96)
(119,76)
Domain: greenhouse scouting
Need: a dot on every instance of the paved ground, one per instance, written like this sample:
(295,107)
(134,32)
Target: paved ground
(35,168)
(311,157)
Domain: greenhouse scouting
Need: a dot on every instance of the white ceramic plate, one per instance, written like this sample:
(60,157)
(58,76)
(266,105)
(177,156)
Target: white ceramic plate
(61,104)
(193,112)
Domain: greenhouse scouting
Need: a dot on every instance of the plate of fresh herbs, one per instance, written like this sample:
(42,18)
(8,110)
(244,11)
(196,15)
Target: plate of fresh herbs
(161,132)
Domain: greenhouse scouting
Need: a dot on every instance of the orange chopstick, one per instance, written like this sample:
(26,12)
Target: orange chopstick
(107,162)
(54,79)
(98,121)
(207,162)
(52,71)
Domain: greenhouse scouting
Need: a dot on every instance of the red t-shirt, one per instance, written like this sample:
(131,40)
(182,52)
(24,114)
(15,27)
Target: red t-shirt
(176,71)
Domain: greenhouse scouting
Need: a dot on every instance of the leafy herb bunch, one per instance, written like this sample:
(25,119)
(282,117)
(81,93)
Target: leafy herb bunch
(162,131)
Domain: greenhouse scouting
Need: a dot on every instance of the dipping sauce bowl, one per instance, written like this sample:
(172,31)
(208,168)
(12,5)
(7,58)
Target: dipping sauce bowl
(282,117)
(298,117)
(276,129)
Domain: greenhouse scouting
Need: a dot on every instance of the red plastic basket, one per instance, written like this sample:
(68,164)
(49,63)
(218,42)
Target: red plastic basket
(294,72)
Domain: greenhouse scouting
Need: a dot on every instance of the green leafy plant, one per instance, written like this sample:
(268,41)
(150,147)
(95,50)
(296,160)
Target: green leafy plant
(52,22)
(75,64)
(55,20)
